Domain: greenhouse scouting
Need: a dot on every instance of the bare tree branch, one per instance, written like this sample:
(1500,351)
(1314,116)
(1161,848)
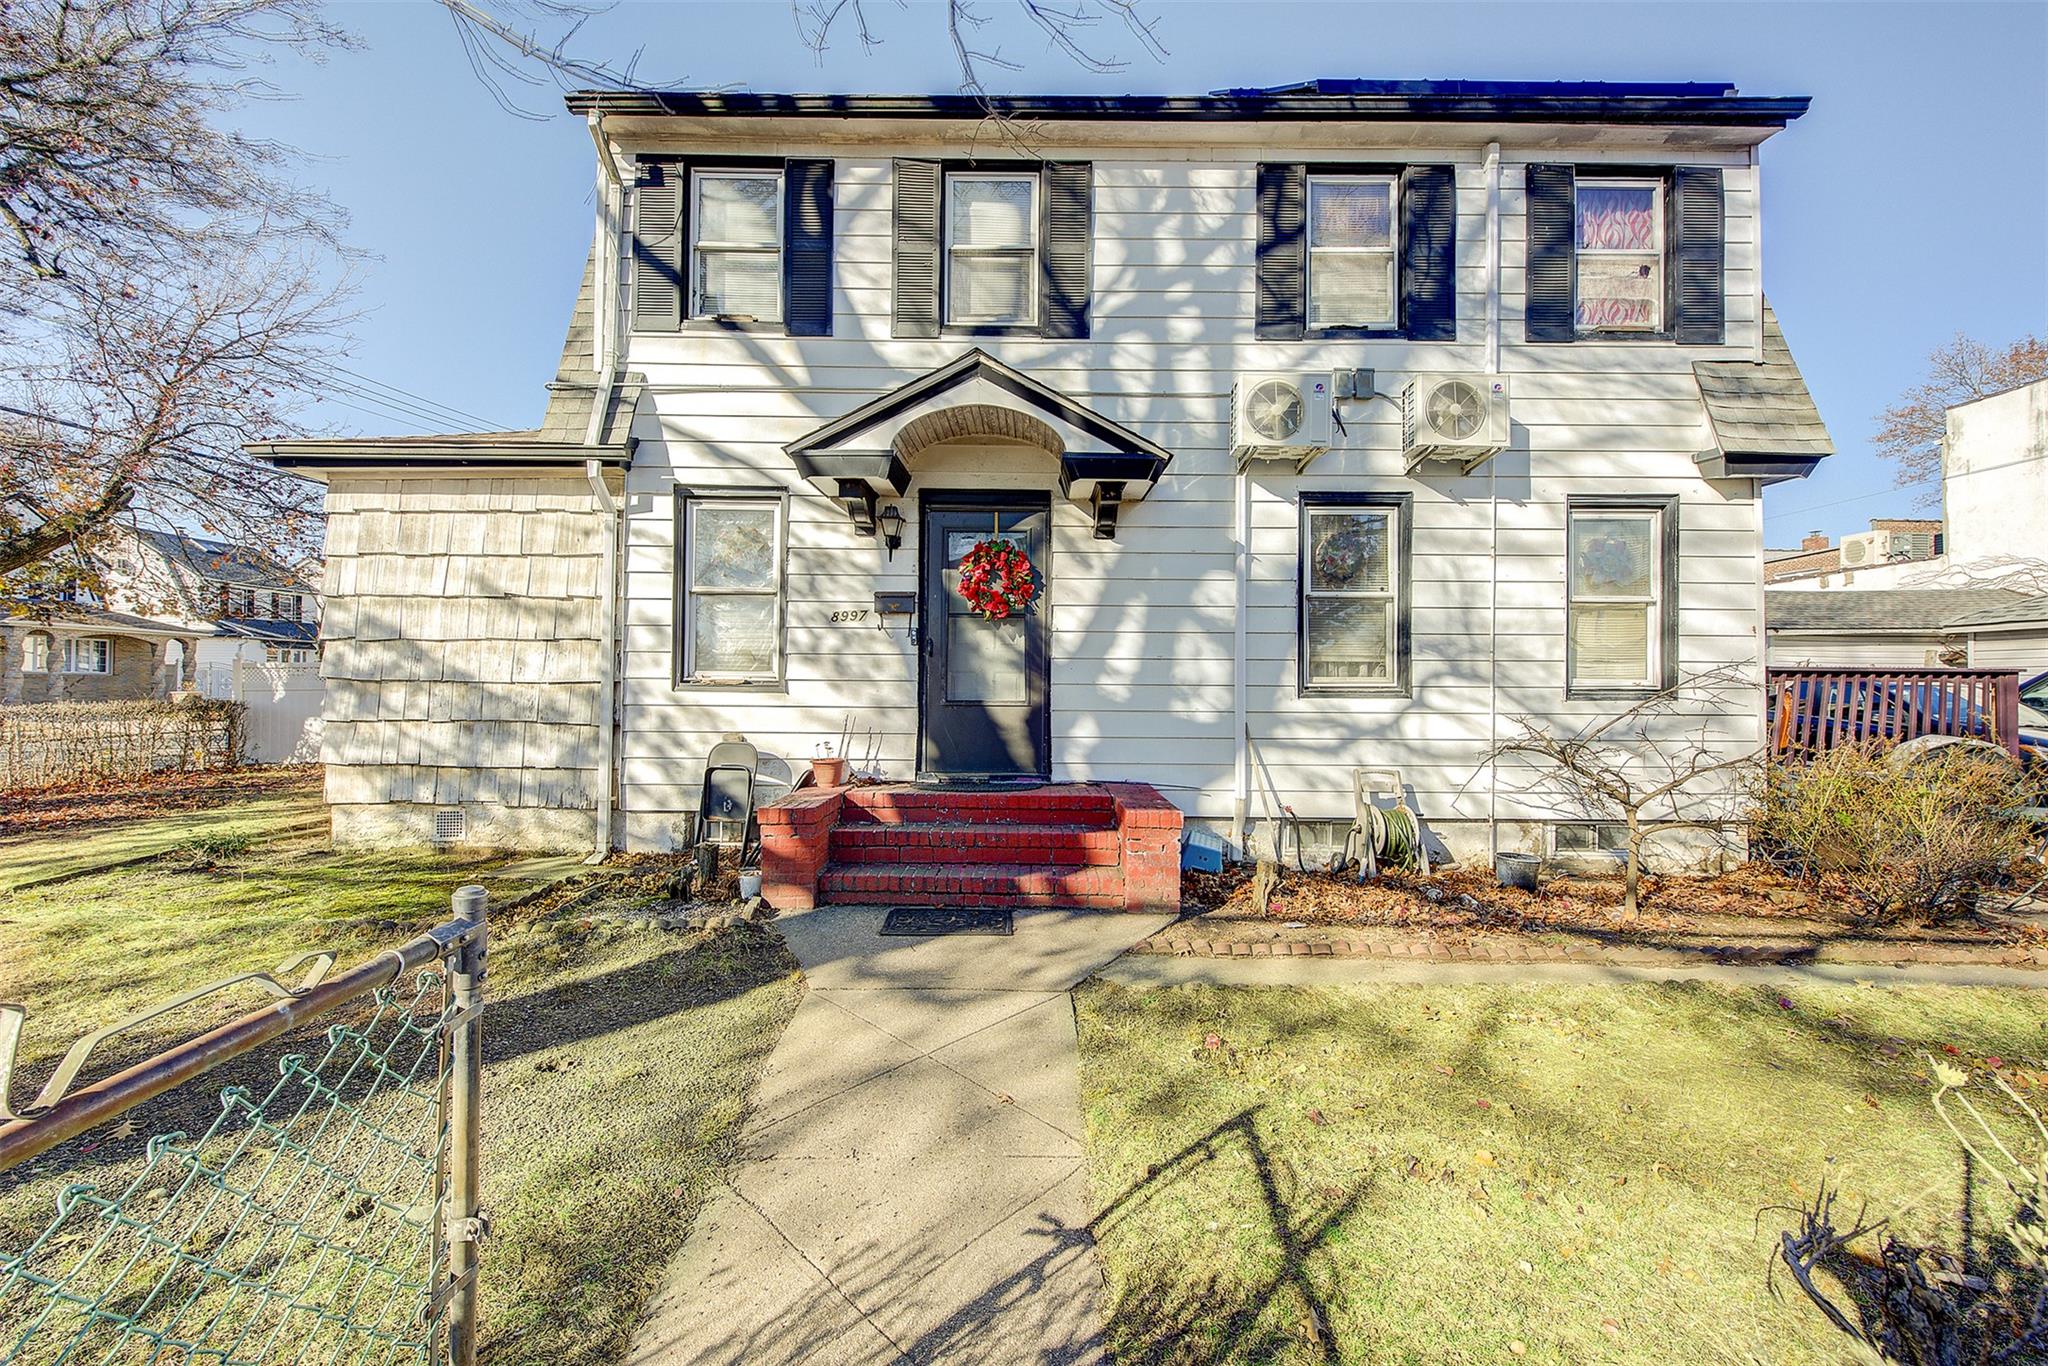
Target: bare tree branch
(1646,766)
(1911,431)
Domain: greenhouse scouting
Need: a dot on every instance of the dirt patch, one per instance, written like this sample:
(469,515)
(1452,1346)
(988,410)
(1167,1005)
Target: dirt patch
(77,805)
(1750,902)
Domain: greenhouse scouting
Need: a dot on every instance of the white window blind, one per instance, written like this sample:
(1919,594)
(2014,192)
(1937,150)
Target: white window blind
(736,254)
(1352,275)
(1615,578)
(1350,596)
(1619,234)
(991,250)
(732,593)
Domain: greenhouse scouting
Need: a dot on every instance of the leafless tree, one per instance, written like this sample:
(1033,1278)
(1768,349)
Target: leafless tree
(168,289)
(1652,766)
(1910,432)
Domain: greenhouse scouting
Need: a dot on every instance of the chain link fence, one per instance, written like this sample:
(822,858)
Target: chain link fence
(329,1215)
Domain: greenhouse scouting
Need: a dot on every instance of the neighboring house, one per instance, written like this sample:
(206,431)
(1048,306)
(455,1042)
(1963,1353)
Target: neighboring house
(1909,628)
(81,652)
(1891,544)
(1342,423)
(1993,531)
(238,603)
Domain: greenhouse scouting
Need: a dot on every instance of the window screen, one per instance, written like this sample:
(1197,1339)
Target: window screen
(731,623)
(1350,596)
(736,257)
(991,249)
(1619,227)
(1616,597)
(1352,278)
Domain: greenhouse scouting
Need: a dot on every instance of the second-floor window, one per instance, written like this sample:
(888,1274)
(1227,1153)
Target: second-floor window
(736,251)
(991,249)
(1618,234)
(1353,278)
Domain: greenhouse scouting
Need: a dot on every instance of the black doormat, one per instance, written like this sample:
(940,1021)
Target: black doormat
(924,920)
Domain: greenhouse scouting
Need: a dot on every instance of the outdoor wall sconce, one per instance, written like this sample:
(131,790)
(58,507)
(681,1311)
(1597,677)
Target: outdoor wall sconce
(890,520)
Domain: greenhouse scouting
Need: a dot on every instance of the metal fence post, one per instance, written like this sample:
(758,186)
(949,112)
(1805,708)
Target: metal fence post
(465,1222)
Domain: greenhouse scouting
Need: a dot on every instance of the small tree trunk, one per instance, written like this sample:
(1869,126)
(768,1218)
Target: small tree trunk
(1632,882)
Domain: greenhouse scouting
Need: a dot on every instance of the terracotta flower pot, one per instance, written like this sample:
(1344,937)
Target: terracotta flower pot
(829,772)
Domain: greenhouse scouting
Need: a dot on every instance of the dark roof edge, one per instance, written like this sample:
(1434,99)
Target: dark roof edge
(1773,111)
(355,453)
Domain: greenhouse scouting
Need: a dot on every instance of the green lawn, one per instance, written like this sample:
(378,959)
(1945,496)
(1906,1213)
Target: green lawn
(1544,1173)
(618,1061)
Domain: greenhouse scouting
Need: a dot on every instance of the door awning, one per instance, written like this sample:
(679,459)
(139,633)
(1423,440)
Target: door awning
(869,453)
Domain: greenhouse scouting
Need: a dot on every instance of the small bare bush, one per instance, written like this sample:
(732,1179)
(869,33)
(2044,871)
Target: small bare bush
(1897,839)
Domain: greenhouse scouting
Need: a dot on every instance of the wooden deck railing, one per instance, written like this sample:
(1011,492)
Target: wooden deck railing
(1819,709)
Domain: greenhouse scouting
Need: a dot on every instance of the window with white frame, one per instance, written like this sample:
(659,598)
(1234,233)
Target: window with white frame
(1619,229)
(1353,278)
(1351,596)
(287,654)
(736,251)
(1617,597)
(1587,838)
(991,249)
(35,653)
(88,655)
(731,609)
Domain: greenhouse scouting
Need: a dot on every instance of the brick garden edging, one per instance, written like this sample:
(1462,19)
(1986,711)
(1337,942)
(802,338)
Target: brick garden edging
(1428,949)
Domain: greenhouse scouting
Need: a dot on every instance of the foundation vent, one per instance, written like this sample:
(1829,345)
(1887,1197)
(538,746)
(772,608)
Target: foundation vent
(451,825)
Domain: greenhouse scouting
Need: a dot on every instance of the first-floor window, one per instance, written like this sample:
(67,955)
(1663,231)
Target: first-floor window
(1353,594)
(1619,599)
(731,608)
(35,653)
(88,655)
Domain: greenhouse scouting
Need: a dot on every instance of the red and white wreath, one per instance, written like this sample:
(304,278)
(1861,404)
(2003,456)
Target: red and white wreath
(997,580)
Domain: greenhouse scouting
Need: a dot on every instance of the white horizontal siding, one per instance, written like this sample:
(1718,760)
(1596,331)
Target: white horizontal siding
(1141,628)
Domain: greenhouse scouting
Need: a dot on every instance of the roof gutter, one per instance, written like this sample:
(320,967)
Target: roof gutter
(1706,110)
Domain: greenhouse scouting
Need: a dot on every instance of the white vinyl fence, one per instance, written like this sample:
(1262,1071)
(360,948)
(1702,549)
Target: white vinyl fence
(283,702)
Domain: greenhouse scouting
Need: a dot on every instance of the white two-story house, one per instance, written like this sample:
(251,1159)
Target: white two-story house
(1341,425)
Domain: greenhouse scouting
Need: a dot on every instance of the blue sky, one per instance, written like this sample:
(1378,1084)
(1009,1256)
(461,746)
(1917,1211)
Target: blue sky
(1912,202)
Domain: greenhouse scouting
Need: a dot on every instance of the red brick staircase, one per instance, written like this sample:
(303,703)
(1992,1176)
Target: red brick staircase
(1105,846)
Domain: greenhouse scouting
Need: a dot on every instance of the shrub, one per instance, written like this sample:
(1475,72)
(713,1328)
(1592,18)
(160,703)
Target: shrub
(1897,838)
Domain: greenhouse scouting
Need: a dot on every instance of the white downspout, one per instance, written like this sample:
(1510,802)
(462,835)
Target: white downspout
(1756,201)
(1492,506)
(607,509)
(1241,781)
(604,307)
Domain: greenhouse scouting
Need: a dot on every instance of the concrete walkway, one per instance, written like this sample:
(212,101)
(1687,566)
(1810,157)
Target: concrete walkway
(910,1186)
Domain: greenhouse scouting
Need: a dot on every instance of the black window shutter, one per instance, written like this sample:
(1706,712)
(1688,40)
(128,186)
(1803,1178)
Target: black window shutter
(1429,253)
(917,250)
(1069,233)
(1548,308)
(658,238)
(1283,251)
(807,247)
(1700,312)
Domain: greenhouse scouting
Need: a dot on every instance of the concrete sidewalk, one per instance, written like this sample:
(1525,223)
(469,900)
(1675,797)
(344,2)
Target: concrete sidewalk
(910,1186)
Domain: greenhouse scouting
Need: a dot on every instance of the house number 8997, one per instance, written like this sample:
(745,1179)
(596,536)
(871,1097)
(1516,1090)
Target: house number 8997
(855,614)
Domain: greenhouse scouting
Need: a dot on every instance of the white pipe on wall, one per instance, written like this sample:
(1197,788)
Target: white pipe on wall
(607,509)
(1492,258)
(1241,779)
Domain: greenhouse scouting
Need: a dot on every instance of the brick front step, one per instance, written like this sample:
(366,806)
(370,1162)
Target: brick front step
(981,843)
(1111,846)
(1079,805)
(971,884)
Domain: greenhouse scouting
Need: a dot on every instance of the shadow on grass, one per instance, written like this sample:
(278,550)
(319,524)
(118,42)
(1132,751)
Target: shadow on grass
(1159,1320)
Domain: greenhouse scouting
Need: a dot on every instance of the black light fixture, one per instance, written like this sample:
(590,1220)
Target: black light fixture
(890,520)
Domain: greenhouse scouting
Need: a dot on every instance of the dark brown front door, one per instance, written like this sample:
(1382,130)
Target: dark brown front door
(983,687)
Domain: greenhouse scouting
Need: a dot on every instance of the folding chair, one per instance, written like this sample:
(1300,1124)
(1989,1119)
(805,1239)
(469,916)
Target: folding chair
(725,809)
